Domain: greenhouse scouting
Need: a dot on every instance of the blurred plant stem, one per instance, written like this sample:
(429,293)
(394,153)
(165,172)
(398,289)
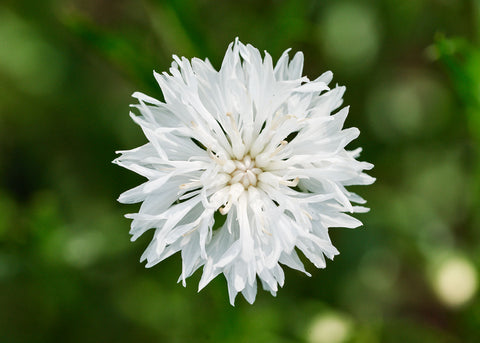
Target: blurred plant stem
(122,53)
(462,60)
(175,24)
(476,18)
(167,27)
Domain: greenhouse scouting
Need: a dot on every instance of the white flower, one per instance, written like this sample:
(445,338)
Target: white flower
(245,166)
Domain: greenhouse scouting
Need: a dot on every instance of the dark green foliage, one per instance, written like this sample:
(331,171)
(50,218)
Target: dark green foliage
(68,272)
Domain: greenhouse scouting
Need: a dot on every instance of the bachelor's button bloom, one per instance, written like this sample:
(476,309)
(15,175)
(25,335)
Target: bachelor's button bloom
(246,166)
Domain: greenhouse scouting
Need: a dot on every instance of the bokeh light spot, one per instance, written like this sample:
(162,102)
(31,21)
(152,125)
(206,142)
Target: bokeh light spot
(83,248)
(350,36)
(329,328)
(455,281)
(379,270)
(27,58)
(407,106)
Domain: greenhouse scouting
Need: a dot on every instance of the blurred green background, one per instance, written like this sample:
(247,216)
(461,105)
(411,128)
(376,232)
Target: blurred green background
(68,272)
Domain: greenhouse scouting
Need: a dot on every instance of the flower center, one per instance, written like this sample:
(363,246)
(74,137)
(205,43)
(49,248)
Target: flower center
(245,172)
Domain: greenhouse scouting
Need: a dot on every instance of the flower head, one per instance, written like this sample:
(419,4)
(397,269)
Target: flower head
(246,166)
